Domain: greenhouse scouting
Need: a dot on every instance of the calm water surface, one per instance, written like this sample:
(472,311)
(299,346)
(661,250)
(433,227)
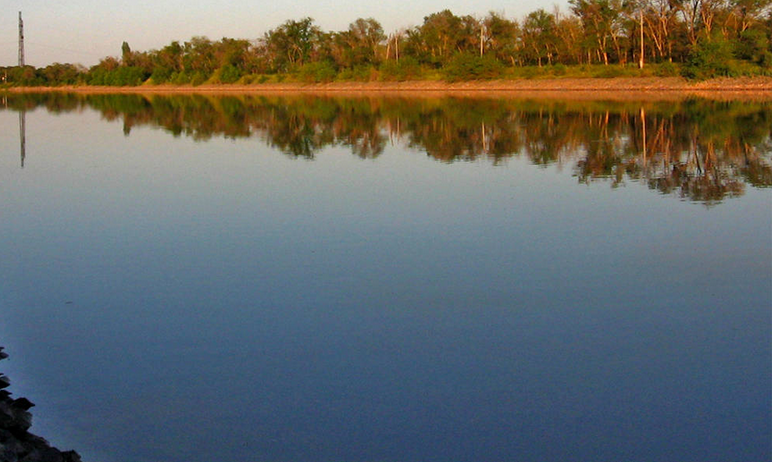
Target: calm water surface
(299,279)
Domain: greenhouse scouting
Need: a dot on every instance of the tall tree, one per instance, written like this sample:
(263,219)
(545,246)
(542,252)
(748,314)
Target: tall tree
(126,54)
(290,45)
(438,37)
(502,37)
(539,36)
(601,20)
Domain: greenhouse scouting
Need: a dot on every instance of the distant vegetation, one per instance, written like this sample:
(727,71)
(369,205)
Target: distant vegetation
(597,38)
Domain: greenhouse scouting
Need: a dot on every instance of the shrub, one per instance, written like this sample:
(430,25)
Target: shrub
(229,73)
(359,73)
(666,69)
(161,75)
(121,76)
(317,72)
(530,72)
(610,71)
(559,69)
(198,78)
(406,68)
(709,58)
(753,46)
(466,66)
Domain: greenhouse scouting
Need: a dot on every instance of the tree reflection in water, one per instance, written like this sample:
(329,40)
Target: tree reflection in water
(698,149)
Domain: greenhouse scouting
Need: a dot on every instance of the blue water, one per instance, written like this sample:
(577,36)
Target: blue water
(164,299)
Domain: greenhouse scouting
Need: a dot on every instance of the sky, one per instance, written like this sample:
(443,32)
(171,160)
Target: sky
(84,31)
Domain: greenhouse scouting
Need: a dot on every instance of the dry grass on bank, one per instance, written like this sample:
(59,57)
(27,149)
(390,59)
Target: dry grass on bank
(591,88)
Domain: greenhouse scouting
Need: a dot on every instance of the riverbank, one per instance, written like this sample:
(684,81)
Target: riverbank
(545,84)
(756,86)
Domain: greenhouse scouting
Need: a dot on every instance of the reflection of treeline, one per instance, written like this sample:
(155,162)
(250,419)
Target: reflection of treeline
(702,150)
(697,38)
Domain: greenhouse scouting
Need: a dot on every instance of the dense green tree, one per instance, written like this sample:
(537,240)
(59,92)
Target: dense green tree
(437,39)
(126,54)
(62,74)
(502,38)
(602,22)
(539,36)
(364,38)
(291,44)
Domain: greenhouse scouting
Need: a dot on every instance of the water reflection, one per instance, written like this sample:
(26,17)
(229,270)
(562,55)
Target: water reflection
(700,150)
(401,309)
(23,135)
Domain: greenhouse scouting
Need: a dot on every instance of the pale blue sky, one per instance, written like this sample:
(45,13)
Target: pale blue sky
(83,31)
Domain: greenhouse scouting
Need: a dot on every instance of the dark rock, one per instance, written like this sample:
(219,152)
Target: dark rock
(22,403)
(16,443)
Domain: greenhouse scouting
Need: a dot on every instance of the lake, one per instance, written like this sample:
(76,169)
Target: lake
(298,278)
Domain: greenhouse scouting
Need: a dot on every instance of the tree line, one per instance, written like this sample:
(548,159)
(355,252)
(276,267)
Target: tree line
(694,38)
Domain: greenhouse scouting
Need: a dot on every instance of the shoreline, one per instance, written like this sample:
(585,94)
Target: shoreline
(594,88)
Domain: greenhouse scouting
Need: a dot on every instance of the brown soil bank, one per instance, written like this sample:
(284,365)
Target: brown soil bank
(616,88)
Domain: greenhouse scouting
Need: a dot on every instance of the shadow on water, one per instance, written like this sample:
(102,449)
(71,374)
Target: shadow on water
(699,150)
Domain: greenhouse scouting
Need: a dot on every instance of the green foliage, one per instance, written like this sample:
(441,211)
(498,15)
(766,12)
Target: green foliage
(198,78)
(358,46)
(710,58)
(466,66)
(247,79)
(188,78)
(528,72)
(317,72)
(754,46)
(23,76)
(161,75)
(358,74)
(558,70)
(61,74)
(406,68)
(611,71)
(539,37)
(291,44)
(228,74)
(180,78)
(666,69)
(121,76)
(435,41)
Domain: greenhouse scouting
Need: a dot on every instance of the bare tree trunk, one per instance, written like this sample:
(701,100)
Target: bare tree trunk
(640,60)
(482,29)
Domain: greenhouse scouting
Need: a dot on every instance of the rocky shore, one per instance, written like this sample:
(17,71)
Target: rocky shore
(17,444)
